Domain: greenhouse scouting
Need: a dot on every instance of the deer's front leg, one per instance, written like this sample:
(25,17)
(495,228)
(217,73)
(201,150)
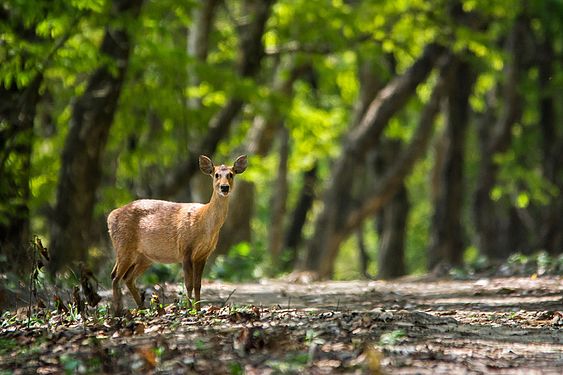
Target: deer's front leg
(198,272)
(187,264)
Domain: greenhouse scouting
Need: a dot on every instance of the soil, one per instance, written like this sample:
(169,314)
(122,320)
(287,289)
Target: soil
(511,325)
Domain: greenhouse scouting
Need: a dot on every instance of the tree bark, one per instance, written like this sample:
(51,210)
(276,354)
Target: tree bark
(80,173)
(333,225)
(447,233)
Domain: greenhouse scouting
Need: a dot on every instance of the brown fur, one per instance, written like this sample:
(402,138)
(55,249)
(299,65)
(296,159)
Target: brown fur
(150,231)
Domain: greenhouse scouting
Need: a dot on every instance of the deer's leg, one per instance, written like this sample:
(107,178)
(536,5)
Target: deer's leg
(188,267)
(137,270)
(120,269)
(198,272)
(117,298)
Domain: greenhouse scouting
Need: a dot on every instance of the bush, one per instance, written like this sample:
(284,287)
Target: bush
(242,263)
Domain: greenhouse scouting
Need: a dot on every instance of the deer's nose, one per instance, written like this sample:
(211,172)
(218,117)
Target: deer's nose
(224,188)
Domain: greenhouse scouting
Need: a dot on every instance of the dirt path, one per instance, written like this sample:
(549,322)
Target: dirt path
(508,325)
(502,326)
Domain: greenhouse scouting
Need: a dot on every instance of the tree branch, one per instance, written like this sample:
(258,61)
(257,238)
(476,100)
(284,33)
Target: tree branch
(391,181)
(328,233)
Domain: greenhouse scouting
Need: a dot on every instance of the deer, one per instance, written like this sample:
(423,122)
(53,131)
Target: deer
(148,231)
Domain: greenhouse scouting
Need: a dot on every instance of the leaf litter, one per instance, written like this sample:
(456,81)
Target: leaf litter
(504,325)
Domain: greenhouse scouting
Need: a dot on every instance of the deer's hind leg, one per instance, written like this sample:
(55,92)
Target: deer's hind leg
(119,270)
(139,266)
(117,297)
(125,267)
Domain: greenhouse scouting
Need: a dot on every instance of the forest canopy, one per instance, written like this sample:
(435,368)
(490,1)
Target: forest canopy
(384,137)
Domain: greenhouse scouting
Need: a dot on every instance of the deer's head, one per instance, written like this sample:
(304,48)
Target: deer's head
(223,176)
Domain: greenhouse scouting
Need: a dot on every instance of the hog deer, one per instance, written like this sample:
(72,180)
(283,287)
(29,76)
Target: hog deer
(150,231)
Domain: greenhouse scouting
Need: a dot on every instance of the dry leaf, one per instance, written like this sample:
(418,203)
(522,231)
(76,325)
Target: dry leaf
(148,354)
(139,329)
(373,358)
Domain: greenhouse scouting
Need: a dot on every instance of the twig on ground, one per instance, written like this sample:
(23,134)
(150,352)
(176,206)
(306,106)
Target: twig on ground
(229,297)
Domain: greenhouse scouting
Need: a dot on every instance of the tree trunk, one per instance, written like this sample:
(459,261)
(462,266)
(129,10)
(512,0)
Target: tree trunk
(551,237)
(278,201)
(363,253)
(198,38)
(17,112)
(391,222)
(447,233)
(237,225)
(198,41)
(490,217)
(294,235)
(80,173)
(391,253)
(333,225)
(370,85)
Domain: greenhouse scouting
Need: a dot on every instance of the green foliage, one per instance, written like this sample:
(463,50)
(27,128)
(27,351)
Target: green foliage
(35,38)
(313,129)
(236,368)
(539,263)
(161,273)
(170,97)
(293,363)
(70,364)
(346,267)
(536,264)
(7,344)
(393,337)
(241,264)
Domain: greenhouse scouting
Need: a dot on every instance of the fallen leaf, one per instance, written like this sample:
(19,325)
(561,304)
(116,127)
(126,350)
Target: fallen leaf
(139,329)
(249,338)
(372,358)
(148,354)
(334,363)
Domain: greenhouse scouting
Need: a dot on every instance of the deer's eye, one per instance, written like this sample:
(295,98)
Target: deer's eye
(230,174)
(216,175)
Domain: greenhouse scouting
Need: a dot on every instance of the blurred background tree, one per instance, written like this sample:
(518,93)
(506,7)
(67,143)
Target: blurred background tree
(385,137)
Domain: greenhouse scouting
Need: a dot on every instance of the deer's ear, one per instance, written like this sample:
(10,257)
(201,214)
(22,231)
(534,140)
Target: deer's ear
(206,165)
(240,164)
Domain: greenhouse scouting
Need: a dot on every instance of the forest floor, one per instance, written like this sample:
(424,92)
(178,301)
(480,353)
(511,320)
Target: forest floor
(511,325)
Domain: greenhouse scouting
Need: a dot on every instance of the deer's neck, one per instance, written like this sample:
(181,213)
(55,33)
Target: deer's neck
(217,209)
